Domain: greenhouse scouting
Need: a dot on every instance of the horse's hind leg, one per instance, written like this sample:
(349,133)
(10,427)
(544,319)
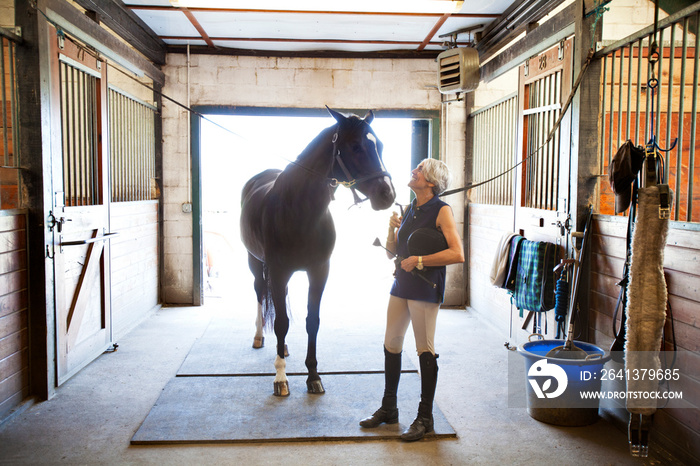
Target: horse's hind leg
(317,283)
(260,289)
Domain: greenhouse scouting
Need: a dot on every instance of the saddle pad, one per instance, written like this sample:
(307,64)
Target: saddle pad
(534,281)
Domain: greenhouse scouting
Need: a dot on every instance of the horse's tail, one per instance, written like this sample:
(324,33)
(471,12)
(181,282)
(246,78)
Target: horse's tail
(268,304)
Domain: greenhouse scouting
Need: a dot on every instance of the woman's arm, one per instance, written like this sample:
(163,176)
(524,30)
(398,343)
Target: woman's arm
(454,254)
(394,223)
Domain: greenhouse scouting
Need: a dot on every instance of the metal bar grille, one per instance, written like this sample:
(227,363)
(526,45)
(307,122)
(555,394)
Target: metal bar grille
(494,151)
(627,99)
(132,147)
(10,109)
(80,136)
(9,145)
(542,170)
(494,130)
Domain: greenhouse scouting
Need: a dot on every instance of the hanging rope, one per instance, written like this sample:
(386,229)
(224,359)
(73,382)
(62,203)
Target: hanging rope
(561,304)
(599,10)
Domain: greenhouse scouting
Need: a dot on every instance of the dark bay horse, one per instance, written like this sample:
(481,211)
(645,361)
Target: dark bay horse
(286,225)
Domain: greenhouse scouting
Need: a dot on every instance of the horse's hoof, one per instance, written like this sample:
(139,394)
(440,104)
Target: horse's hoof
(315,387)
(281,388)
(258,342)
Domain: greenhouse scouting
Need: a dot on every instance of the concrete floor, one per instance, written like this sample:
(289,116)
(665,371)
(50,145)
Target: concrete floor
(94,415)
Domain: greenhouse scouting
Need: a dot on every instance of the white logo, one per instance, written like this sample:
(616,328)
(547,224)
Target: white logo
(550,371)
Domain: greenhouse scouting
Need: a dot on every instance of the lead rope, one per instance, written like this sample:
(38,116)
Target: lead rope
(599,10)
(549,136)
(561,301)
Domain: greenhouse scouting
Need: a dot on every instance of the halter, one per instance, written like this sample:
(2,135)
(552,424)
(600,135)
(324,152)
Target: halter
(352,181)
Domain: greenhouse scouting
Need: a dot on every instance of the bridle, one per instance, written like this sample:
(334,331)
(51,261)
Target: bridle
(351,180)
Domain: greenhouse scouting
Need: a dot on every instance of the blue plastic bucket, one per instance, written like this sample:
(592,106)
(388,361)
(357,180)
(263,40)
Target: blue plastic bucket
(545,374)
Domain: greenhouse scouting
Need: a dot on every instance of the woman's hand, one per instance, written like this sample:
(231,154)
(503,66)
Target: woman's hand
(409,263)
(454,254)
(394,221)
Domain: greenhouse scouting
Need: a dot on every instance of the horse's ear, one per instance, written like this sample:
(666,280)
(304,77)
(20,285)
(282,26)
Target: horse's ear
(369,118)
(339,117)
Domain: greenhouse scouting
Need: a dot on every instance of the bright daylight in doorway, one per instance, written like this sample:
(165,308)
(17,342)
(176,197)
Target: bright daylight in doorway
(261,142)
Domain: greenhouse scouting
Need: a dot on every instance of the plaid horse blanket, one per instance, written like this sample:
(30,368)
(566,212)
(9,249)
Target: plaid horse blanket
(534,281)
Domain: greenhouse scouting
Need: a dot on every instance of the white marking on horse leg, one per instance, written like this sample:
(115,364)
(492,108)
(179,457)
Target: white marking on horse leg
(280,366)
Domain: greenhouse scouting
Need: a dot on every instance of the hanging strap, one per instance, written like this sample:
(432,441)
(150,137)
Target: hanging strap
(618,345)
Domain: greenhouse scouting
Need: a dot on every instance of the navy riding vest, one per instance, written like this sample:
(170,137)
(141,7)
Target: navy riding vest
(410,286)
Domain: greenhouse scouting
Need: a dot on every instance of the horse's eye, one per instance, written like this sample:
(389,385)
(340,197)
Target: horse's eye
(357,148)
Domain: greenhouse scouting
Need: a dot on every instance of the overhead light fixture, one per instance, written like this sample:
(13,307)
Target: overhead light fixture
(364,6)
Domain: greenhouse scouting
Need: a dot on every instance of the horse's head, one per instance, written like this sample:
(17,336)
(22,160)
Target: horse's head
(358,159)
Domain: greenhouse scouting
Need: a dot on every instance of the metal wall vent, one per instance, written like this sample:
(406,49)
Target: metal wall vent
(458,70)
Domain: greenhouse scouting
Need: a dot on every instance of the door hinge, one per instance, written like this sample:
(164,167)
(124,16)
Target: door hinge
(562,45)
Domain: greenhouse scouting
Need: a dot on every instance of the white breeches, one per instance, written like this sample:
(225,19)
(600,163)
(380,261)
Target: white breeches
(423,317)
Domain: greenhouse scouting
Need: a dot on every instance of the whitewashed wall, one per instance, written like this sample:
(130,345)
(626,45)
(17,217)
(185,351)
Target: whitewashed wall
(453,149)
(627,17)
(282,82)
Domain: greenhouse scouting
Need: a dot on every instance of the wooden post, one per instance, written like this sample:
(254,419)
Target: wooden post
(468,178)
(32,73)
(585,130)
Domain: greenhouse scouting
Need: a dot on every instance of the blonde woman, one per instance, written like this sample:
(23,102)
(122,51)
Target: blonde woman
(412,299)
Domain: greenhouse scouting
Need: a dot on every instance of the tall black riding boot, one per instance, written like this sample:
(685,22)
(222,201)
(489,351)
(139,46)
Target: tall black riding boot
(388,413)
(428,378)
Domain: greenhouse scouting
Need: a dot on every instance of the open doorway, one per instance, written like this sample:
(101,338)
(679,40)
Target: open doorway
(236,147)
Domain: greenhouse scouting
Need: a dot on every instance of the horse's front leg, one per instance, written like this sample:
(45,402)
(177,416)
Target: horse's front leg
(278,283)
(317,283)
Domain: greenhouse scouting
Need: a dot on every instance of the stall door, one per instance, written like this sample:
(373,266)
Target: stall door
(542,187)
(80,217)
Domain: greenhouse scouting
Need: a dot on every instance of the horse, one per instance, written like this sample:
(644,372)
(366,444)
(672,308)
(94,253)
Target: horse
(286,226)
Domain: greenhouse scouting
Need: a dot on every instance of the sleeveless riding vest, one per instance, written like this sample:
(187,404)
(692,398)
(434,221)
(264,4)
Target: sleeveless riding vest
(408,285)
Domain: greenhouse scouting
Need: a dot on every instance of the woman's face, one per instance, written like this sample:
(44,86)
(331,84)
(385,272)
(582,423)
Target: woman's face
(418,180)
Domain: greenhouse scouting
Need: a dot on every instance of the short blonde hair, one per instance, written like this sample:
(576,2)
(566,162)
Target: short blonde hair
(438,173)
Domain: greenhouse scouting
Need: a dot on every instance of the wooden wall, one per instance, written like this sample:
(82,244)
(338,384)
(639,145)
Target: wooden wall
(134,263)
(677,429)
(14,314)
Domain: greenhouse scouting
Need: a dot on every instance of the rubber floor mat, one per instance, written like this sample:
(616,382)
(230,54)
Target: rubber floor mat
(241,409)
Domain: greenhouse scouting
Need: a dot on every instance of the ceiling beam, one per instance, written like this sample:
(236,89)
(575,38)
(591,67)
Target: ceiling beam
(128,26)
(78,25)
(198,27)
(311,41)
(309,12)
(537,40)
(513,22)
(434,31)
(385,54)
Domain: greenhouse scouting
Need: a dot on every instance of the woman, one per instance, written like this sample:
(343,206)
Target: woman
(414,300)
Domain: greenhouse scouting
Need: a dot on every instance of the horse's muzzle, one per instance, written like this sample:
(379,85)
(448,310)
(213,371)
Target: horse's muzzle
(381,194)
